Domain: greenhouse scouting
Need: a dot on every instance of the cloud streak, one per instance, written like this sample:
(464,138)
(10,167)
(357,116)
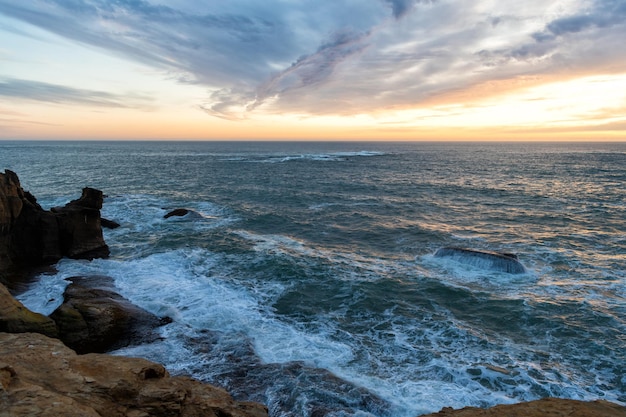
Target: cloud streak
(52,93)
(345,56)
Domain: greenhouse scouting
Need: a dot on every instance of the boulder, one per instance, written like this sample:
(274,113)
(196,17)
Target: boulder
(94,318)
(493,261)
(553,407)
(31,236)
(40,376)
(179,212)
(16,318)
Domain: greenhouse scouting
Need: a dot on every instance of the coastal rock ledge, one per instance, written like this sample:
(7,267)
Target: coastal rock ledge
(40,376)
(546,407)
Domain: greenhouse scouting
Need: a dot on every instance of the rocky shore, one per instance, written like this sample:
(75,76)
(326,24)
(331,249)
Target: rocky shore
(56,365)
(47,364)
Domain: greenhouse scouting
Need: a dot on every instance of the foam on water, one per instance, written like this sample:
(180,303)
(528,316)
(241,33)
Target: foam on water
(319,157)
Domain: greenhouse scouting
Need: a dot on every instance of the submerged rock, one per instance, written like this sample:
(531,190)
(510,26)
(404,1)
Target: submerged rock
(183,212)
(94,318)
(40,376)
(494,261)
(179,212)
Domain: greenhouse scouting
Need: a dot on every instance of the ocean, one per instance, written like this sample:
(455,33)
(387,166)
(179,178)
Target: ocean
(305,275)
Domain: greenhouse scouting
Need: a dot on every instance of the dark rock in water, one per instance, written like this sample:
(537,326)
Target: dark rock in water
(94,318)
(183,212)
(494,261)
(180,212)
(31,236)
(236,366)
(109,224)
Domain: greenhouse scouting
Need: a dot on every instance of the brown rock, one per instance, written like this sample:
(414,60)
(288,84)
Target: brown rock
(94,318)
(11,202)
(16,318)
(31,236)
(80,230)
(547,407)
(42,377)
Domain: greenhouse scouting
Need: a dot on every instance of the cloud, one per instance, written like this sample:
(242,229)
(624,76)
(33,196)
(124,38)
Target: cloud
(346,56)
(568,37)
(211,47)
(53,93)
(312,70)
(400,7)
(603,14)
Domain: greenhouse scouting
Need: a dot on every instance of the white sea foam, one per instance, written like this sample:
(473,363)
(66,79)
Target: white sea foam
(476,277)
(353,266)
(194,287)
(321,157)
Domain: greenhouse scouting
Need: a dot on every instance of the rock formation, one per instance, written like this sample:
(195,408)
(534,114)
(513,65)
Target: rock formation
(31,236)
(183,212)
(494,261)
(94,318)
(552,407)
(16,318)
(40,376)
(180,212)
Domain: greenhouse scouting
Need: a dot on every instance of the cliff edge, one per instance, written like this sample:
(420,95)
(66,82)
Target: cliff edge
(40,376)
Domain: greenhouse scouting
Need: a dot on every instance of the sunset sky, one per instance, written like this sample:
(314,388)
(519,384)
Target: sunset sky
(313,69)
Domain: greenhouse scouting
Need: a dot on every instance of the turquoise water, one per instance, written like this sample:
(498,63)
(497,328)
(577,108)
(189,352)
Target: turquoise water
(306,277)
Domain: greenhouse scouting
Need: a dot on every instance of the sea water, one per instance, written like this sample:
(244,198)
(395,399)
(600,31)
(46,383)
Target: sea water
(304,277)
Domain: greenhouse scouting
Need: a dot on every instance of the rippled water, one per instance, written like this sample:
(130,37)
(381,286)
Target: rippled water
(306,278)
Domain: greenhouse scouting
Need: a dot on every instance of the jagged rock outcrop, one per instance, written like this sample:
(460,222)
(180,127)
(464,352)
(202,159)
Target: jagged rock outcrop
(94,318)
(552,407)
(40,376)
(80,229)
(16,318)
(31,236)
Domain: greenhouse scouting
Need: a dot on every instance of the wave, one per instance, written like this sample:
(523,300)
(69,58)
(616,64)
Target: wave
(283,158)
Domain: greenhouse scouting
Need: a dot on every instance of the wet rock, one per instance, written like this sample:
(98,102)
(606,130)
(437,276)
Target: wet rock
(16,318)
(493,261)
(40,376)
(180,212)
(109,224)
(94,318)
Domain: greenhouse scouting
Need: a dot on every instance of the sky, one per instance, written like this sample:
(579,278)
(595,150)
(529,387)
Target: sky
(313,69)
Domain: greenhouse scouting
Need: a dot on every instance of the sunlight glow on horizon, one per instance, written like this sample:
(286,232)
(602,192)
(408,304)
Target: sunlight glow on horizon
(528,75)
